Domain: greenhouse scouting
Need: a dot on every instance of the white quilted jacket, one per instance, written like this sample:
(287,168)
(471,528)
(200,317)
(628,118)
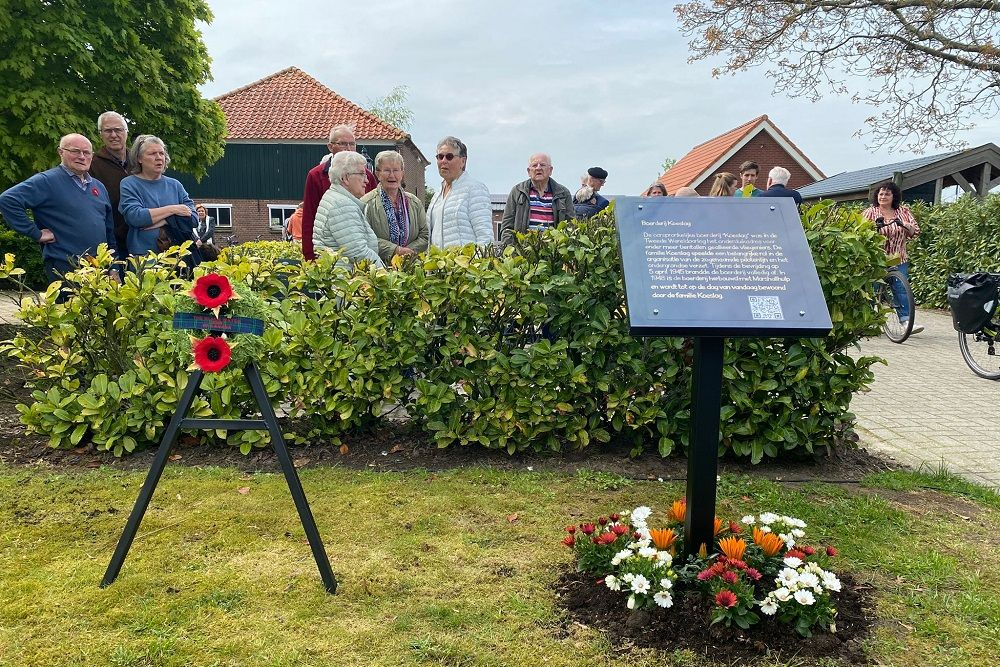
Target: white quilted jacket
(464,217)
(341,225)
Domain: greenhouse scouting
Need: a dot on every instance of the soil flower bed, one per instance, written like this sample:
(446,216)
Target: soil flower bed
(760,589)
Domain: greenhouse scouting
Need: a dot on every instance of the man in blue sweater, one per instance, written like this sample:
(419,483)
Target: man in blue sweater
(72,211)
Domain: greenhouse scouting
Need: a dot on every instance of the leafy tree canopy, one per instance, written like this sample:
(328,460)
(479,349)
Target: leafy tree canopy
(929,67)
(67,61)
(393,108)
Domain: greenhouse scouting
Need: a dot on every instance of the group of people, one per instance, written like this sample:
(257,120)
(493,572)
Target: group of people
(117,195)
(725,183)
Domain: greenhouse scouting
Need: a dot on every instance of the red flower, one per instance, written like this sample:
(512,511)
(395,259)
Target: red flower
(726,598)
(795,553)
(607,538)
(569,541)
(97,193)
(570,529)
(616,516)
(637,536)
(619,529)
(587,528)
(735,528)
(831,552)
(753,573)
(809,551)
(705,574)
(730,577)
(212,291)
(212,354)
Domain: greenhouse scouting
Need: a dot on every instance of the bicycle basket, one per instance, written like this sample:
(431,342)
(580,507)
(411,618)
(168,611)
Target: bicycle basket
(972,298)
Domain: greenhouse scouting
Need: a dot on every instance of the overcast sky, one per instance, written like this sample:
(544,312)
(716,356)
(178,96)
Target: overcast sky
(591,83)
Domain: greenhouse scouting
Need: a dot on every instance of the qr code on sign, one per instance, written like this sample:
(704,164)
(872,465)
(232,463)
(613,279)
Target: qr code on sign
(765,308)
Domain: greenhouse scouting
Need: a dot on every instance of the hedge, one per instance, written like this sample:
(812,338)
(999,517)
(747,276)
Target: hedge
(528,351)
(961,237)
(29,258)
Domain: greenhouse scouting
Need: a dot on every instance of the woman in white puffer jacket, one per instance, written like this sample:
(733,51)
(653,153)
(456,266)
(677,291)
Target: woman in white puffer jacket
(340,219)
(461,212)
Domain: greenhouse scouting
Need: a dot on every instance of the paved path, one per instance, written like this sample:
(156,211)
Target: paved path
(927,408)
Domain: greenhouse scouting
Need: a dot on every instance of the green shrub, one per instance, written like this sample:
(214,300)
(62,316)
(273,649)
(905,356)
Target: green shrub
(28,257)
(261,250)
(961,237)
(530,350)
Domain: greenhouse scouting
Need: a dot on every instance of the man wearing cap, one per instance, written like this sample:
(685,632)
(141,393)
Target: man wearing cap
(587,201)
(536,203)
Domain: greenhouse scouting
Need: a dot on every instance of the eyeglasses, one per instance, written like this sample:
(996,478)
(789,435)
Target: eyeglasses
(77,151)
(344,144)
(113,130)
(446,156)
(536,165)
(356,173)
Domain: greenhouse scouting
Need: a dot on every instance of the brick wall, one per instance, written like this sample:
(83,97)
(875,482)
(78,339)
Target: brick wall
(413,174)
(250,220)
(768,153)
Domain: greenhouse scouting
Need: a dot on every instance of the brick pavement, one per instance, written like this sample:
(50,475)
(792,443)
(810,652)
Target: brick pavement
(927,408)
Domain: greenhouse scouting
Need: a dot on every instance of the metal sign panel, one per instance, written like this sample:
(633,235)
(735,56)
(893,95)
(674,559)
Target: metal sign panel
(718,266)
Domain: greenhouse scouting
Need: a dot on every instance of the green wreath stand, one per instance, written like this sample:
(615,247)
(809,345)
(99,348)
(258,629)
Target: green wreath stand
(269,423)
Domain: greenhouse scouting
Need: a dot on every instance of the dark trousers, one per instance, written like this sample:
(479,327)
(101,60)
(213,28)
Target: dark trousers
(55,269)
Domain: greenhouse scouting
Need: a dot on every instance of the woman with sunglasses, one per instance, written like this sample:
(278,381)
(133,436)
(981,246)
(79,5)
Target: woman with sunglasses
(460,213)
(340,224)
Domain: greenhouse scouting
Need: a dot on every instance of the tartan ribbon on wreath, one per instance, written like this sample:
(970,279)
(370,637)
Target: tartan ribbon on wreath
(234,322)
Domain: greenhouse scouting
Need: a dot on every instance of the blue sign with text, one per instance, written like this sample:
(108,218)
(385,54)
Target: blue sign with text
(718,266)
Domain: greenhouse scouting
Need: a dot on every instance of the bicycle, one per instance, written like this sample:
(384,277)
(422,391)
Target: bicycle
(891,293)
(980,347)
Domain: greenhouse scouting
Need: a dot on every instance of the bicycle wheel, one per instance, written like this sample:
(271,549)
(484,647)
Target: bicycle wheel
(981,351)
(894,329)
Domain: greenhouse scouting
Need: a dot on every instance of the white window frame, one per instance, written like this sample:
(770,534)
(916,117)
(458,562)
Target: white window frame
(218,225)
(270,216)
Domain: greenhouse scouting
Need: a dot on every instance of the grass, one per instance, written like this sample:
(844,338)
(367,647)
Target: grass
(451,568)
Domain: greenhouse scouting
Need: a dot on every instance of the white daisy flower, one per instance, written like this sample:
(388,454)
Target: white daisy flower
(768,517)
(831,582)
(765,529)
(620,556)
(647,552)
(640,584)
(612,582)
(748,520)
(787,539)
(769,607)
(640,514)
(782,594)
(663,599)
(804,598)
(631,602)
(798,532)
(666,584)
(628,577)
(787,577)
(808,580)
(792,561)
(664,557)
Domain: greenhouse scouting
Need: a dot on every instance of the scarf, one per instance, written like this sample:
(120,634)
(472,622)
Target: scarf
(399,230)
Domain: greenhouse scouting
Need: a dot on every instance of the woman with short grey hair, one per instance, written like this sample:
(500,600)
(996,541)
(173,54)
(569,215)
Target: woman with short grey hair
(461,212)
(157,208)
(396,216)
(340,222)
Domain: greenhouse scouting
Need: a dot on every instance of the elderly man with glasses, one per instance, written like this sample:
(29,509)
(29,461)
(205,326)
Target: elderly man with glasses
(537,203)
(111,164)
(72,211)
(318,182)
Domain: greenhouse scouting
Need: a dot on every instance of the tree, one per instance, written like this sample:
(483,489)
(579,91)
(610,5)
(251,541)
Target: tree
(69,61)
(929,67)
(393,109)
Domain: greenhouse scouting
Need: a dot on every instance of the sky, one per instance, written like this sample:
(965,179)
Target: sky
(590,83)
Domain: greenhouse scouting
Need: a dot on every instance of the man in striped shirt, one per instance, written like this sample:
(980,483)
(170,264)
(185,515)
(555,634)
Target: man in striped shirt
(537,203)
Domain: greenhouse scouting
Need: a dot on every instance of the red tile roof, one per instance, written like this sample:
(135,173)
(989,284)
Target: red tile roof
(290,104)
(691,169)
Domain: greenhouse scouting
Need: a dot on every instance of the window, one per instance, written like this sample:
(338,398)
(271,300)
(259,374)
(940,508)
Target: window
(221,213)
(277,214)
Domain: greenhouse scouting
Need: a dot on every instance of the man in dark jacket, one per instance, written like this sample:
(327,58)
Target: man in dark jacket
(536,203)
(110,165)
(588,201)
(777,185)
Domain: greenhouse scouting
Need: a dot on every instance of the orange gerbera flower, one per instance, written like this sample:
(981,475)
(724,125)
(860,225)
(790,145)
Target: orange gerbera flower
(733,547)
(663,538)
(769,543)
(678,511)
(718,526)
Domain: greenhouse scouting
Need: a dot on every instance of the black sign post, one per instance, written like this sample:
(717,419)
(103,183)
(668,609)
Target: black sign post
(713,268)
(268,422)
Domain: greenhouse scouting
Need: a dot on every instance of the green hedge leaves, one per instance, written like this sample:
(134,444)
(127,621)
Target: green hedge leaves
(528,351)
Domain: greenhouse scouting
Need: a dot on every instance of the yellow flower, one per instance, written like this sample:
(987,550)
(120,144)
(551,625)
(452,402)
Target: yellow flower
(733,547)
(718,526)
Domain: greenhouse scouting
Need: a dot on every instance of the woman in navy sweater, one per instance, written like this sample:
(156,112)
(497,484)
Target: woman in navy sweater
(151,201)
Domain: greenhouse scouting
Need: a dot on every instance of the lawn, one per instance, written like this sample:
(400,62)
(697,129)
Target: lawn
(445,568)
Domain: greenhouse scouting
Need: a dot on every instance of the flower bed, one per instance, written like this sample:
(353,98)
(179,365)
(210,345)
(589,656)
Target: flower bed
(760,585)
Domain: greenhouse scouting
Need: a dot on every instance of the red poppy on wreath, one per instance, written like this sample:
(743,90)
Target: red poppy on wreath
(97,193)
(212,291)
(212,354)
